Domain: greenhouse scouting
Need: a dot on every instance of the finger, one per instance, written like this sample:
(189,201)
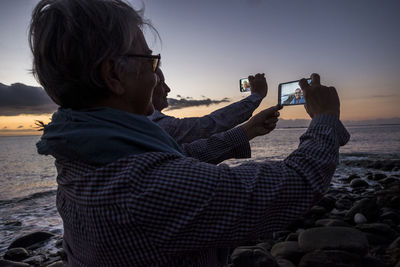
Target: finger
(315,79)
(304,85)
(251,78)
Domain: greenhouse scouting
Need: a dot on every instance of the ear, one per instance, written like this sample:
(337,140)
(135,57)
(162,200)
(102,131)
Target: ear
(111,78)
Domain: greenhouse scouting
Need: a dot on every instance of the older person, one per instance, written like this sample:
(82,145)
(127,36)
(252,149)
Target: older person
(126,194)
(210,138)
(190,129)
(298,97)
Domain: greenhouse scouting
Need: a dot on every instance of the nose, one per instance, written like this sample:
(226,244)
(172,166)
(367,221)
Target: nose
(167,89)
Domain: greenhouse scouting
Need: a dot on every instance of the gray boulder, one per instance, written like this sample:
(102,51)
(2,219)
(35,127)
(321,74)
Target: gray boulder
(331,258)
(30,239)
(333,238)
(289,250)
(16,254)
(252,256)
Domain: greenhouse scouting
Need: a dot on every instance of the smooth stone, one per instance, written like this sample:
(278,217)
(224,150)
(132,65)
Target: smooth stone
(333,238)
(379,176)
(358,182)
(376,240)
(331,258)
(343,204)
(391,215)
(359,218)
(367,207)
(292,237)
(7,263)
(13,223)
(377,228)
(30,239)
(16,254)
(266,245)
(317,210)
(285,263)
(327,202)
(289,250)
(252,256)
(331,222)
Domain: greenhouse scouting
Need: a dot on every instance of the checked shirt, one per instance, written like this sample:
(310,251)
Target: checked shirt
(159,209)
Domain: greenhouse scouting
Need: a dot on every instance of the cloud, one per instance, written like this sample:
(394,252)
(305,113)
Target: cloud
(189,102)
(18,98)
(19,127)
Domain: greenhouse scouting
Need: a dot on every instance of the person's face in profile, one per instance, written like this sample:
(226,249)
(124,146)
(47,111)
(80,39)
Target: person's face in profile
(297,93)
(160,92)
(139,79)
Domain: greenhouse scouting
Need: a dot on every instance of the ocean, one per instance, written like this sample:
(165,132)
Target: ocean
(28,180)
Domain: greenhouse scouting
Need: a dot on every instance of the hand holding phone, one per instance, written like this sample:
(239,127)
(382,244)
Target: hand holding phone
(320,99)
(255,84)
(290,93)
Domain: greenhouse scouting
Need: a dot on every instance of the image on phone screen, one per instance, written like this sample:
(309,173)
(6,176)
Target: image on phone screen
(290,93)
(244,85)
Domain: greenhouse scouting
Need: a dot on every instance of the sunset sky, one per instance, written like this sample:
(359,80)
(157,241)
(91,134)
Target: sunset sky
(207,46)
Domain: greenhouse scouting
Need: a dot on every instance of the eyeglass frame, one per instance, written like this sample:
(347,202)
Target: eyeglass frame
(154,57)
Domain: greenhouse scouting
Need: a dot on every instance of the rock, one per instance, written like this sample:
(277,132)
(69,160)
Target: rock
(285,263)
(359,218)
(331,222)
(331,258)
(292,237)
(395,202)
(367,207)
(252,256)
(266,245)
(30,239)
(376,240)
(6,263)
(328,202)
(343,204)
(390,215)
(280,235)
(379,176)
(12,223)
(395,243)
(352,177)
(358,182)
(289,250)
(317,211)
(333,238)
(370,261)
(393,251)
(36,260)
(58,264)
(379,229)
(16,254)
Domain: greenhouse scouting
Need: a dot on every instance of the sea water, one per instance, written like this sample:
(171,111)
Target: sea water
(28,180)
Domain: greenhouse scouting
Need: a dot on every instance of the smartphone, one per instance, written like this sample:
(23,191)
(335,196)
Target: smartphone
(244,85)
(290,93)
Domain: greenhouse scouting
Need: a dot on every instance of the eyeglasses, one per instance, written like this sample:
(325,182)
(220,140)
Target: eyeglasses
(155,59)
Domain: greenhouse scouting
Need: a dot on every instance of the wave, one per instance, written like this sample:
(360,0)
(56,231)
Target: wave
(29,197)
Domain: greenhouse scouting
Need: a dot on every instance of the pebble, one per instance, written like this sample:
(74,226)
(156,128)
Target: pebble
(359,218)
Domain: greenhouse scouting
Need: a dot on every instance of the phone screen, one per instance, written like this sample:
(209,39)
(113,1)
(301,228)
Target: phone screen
(244,85)
(290,93)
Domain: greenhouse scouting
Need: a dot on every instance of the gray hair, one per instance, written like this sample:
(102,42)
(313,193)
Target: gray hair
(70,39)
